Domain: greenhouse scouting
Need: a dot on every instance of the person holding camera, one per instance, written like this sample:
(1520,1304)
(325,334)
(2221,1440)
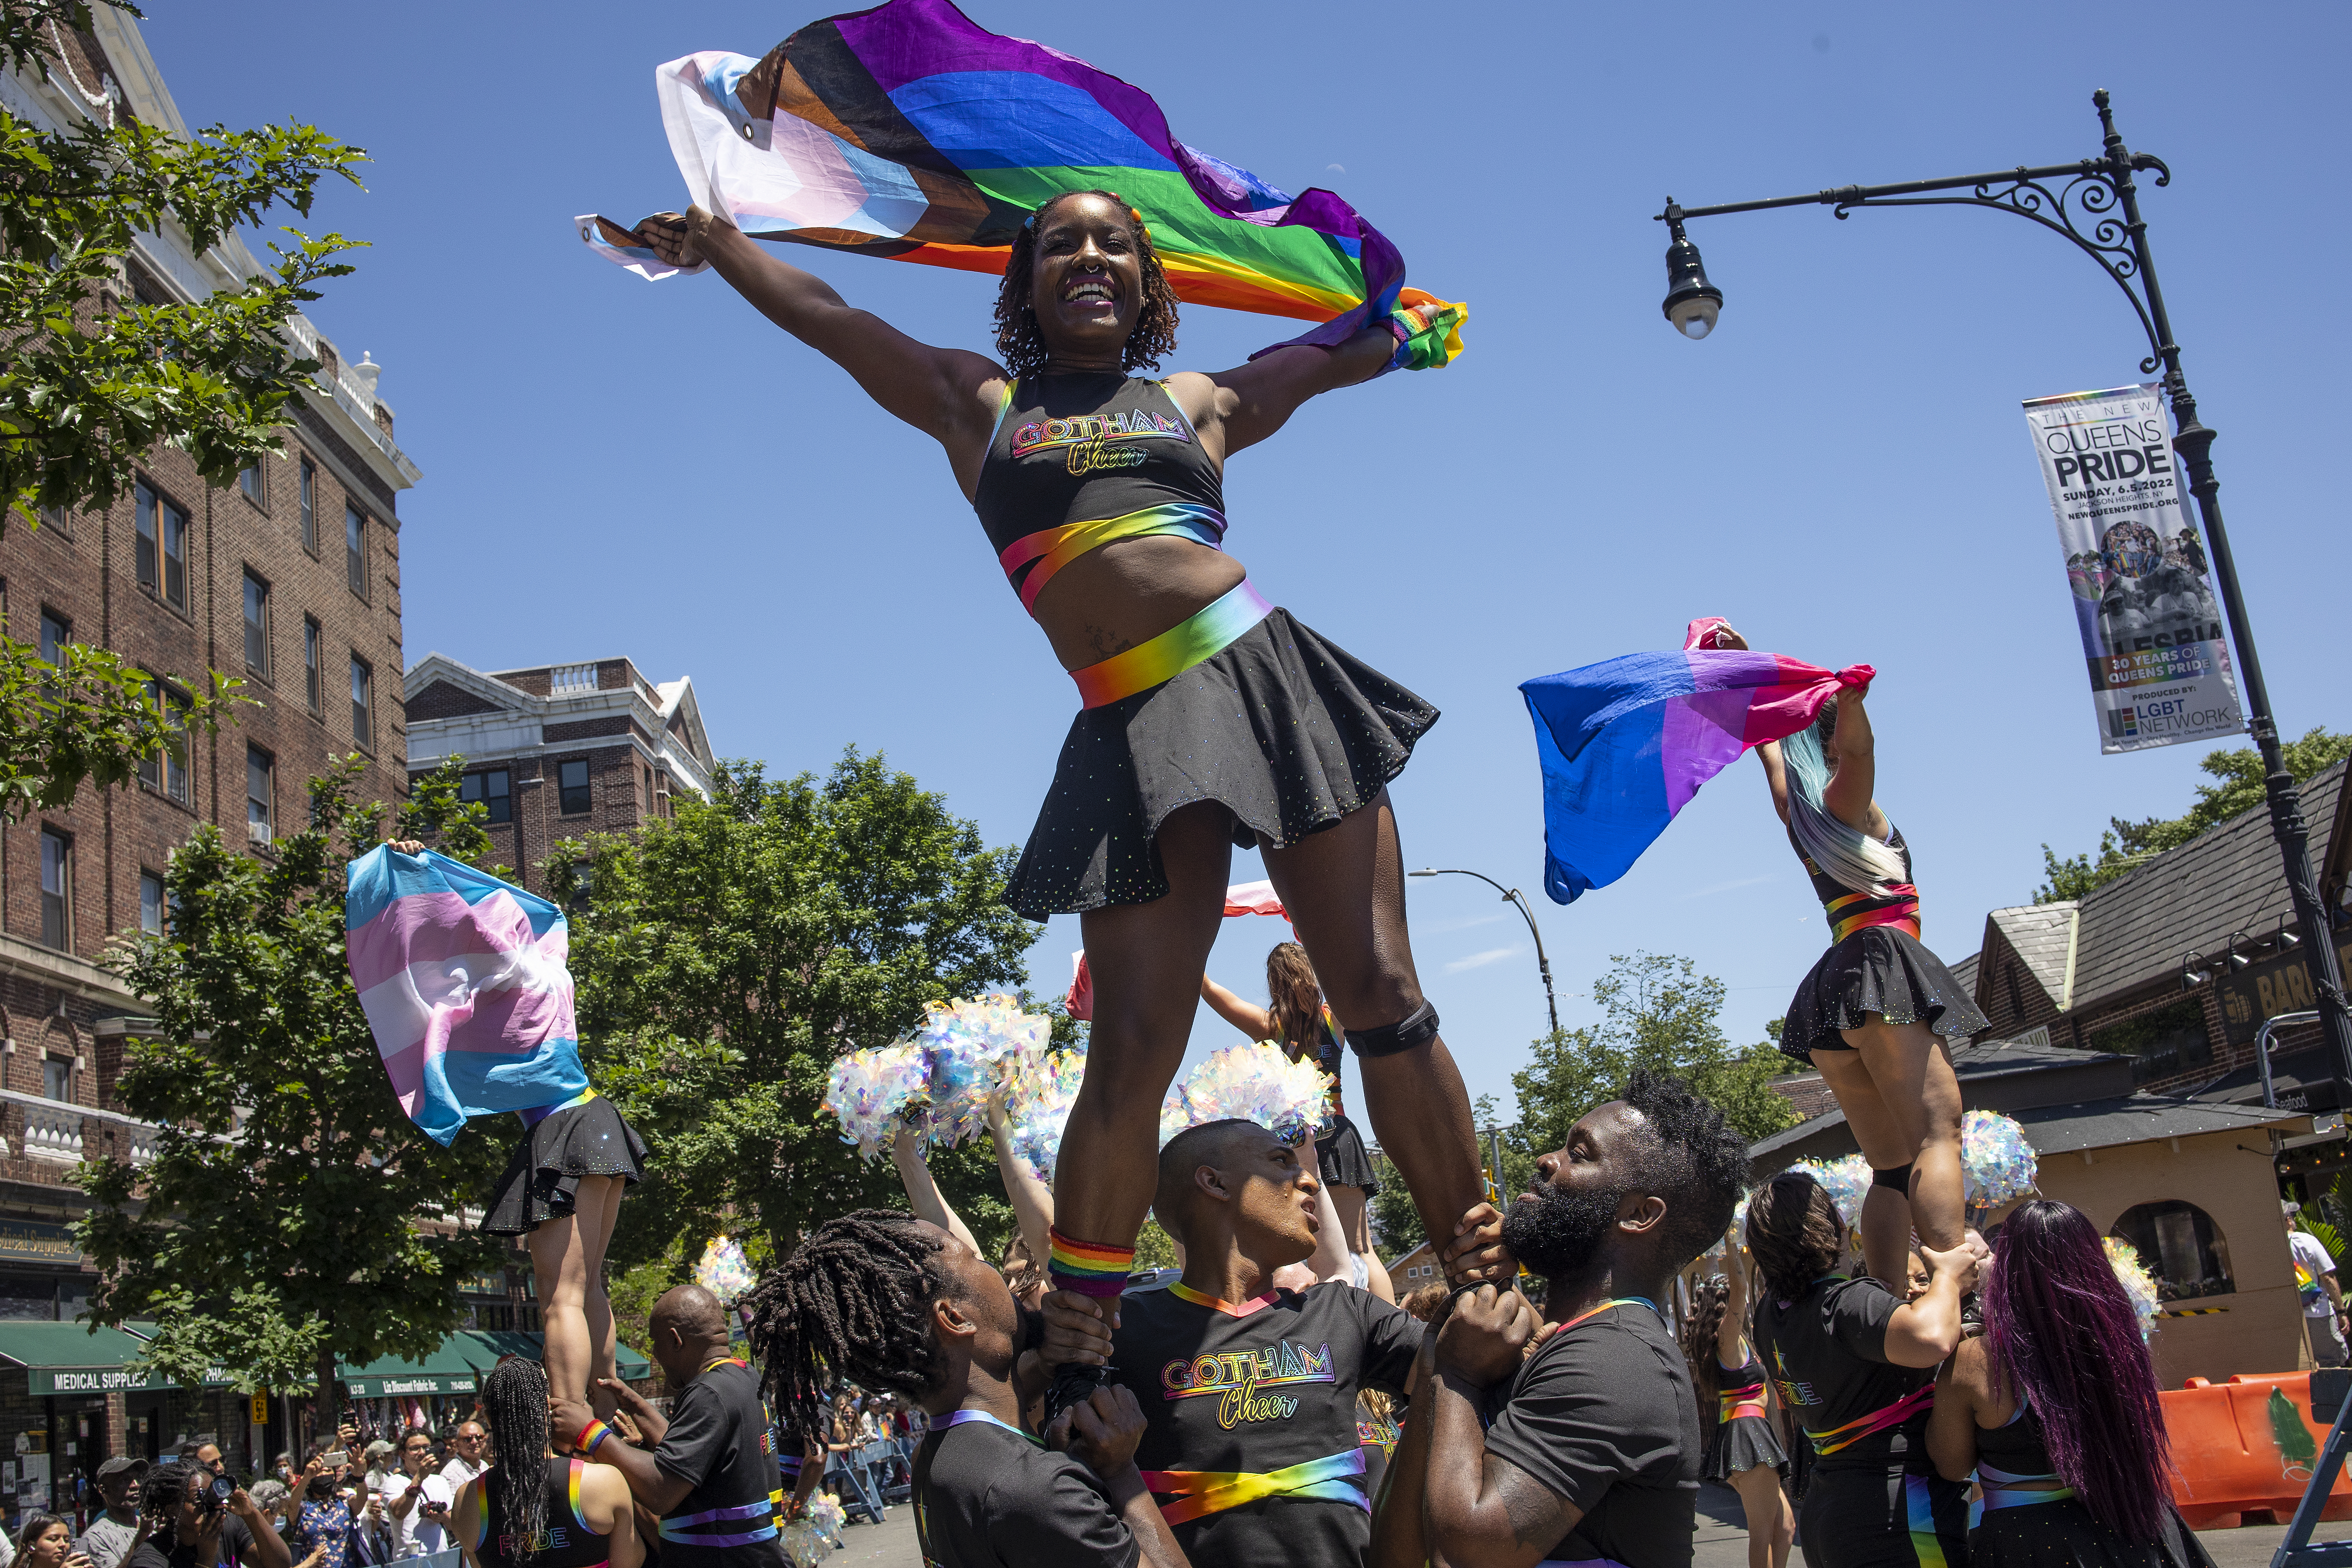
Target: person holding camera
(416,1499)
(198,1520)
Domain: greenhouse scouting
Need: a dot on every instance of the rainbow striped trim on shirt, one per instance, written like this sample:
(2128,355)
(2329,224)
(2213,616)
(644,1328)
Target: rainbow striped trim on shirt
(1202,635)
(683,1532)
(1184,1292)
(1090,1267)
(1049,550)
(1919,1401)
(1201,1492)
(1897,907)
(572,1491)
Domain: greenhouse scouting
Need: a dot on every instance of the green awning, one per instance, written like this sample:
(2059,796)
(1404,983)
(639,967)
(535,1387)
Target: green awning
(73,1358)
(445,1370)
(488,1345)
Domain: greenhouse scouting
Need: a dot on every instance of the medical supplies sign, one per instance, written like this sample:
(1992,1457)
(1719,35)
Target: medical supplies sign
(2135,568)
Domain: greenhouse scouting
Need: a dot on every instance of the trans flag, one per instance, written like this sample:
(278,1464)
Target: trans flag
(910,132)
(1626,743)
(464,982)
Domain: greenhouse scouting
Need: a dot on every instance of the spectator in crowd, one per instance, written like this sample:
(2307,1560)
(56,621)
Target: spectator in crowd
(416,1499)
(112,1534)
(283,1469)
(383,1459)
(329,1519)
(469,1449)
(2323,1299)
(185,1529)
(47,1543)
(276,1504)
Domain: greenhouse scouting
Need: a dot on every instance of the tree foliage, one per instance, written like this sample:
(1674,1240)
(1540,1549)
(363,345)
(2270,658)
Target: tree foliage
(726,957)
(2238,788)
(277,1226)
(1657,1012)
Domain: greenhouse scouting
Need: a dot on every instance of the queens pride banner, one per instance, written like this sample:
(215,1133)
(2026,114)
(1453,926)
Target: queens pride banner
(463,980)
(2136,570)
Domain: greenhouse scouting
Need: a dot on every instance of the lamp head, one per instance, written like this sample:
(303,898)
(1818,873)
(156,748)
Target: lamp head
(1424,871)
(1692,303)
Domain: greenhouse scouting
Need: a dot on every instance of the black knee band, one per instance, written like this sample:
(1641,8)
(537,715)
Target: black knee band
(1417,1027)
(1896,1180)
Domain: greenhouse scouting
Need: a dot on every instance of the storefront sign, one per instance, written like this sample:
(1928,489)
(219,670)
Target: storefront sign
(41,1380)
(26,1241)
(2136,570)
(2279,984)
(413,1383)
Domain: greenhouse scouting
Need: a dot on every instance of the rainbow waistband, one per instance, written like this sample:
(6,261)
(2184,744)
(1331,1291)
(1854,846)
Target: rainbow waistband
(1897,907)
(1049,550)
(1090,1267)
(1918,1402)
(2002,1490)
(538,1114)
(1731,1403)
(682,1529)
(1202,635)
(1201,1492)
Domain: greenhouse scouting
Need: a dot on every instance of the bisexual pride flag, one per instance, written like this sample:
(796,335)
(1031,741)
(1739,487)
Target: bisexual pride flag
(909,132)
(1626,743)
(464,982)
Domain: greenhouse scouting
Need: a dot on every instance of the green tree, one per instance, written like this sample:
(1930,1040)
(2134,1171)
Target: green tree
(1657,1012)
(2238,788)
(292,1213)
(90,387)
(727,956)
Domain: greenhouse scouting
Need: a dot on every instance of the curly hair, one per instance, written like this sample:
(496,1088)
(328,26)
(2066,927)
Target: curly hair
(851,1305)
(1693,1155)
(1016,321)
(1710,1298)
(1795,1233)
(1294,1001)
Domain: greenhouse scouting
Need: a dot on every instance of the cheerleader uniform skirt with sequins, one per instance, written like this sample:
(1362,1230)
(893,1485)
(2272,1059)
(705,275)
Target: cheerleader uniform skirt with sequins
(1882,970)
(543,1178)
(1286,732)
(1743,1443)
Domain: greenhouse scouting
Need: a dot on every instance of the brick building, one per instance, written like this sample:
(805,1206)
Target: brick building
(559,751)
(289,580)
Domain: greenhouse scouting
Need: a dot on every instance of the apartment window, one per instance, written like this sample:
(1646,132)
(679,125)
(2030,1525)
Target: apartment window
(314,669)
(494,789)
(257,626)
(310,490)
(571,780)
(355,549)
(151,903)
(248,479)
(56,632)
(362,704)
(163,547)
(167,770)
(57,889)
(57,1078)
(260,790)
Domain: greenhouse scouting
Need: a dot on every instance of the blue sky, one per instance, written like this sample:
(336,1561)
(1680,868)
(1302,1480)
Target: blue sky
(613,466)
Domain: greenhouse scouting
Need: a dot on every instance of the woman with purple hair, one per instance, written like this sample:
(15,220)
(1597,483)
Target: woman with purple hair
(2054,1411)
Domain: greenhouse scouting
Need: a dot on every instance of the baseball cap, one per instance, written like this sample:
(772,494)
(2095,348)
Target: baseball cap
(120,1463)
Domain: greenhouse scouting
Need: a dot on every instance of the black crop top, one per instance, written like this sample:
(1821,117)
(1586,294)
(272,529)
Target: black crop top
(1079,461)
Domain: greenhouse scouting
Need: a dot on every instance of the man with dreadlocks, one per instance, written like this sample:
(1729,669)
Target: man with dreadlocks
(894,1304)
(709,1470)
(1210,718)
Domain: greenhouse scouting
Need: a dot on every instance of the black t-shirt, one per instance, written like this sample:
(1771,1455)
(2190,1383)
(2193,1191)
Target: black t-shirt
(236,1547)
(1262,1387)
(1603,1418)
(986,1496)
(717,1443)
(1826,1353)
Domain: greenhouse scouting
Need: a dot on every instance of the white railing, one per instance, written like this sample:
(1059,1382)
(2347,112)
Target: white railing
(53,1132)
(566,679)
(350,398)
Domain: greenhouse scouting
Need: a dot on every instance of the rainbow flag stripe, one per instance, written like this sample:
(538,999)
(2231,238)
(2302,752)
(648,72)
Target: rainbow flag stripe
(1336,1479)
(1090,1267)
(462,977)
(1625,743)
(909,132)
(1204,634)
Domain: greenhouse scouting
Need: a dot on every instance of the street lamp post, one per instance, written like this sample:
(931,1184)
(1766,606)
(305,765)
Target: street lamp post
(1510,896)
(2093,205)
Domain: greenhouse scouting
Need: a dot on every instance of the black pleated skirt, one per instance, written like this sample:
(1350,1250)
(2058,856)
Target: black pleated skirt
(1286,731)
(1882,970)
(1341,1158)
(1743,1443)
(543,1177)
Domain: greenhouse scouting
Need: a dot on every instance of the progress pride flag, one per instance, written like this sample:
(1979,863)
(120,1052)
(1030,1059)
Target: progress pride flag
(463,980)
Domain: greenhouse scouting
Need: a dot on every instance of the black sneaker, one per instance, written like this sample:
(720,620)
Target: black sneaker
(1072,1386)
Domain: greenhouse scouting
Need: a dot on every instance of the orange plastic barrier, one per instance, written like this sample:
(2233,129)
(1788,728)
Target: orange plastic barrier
(2247,1446)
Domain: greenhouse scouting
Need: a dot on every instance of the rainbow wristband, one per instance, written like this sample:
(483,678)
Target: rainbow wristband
(1088,1268)
(590,1436)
